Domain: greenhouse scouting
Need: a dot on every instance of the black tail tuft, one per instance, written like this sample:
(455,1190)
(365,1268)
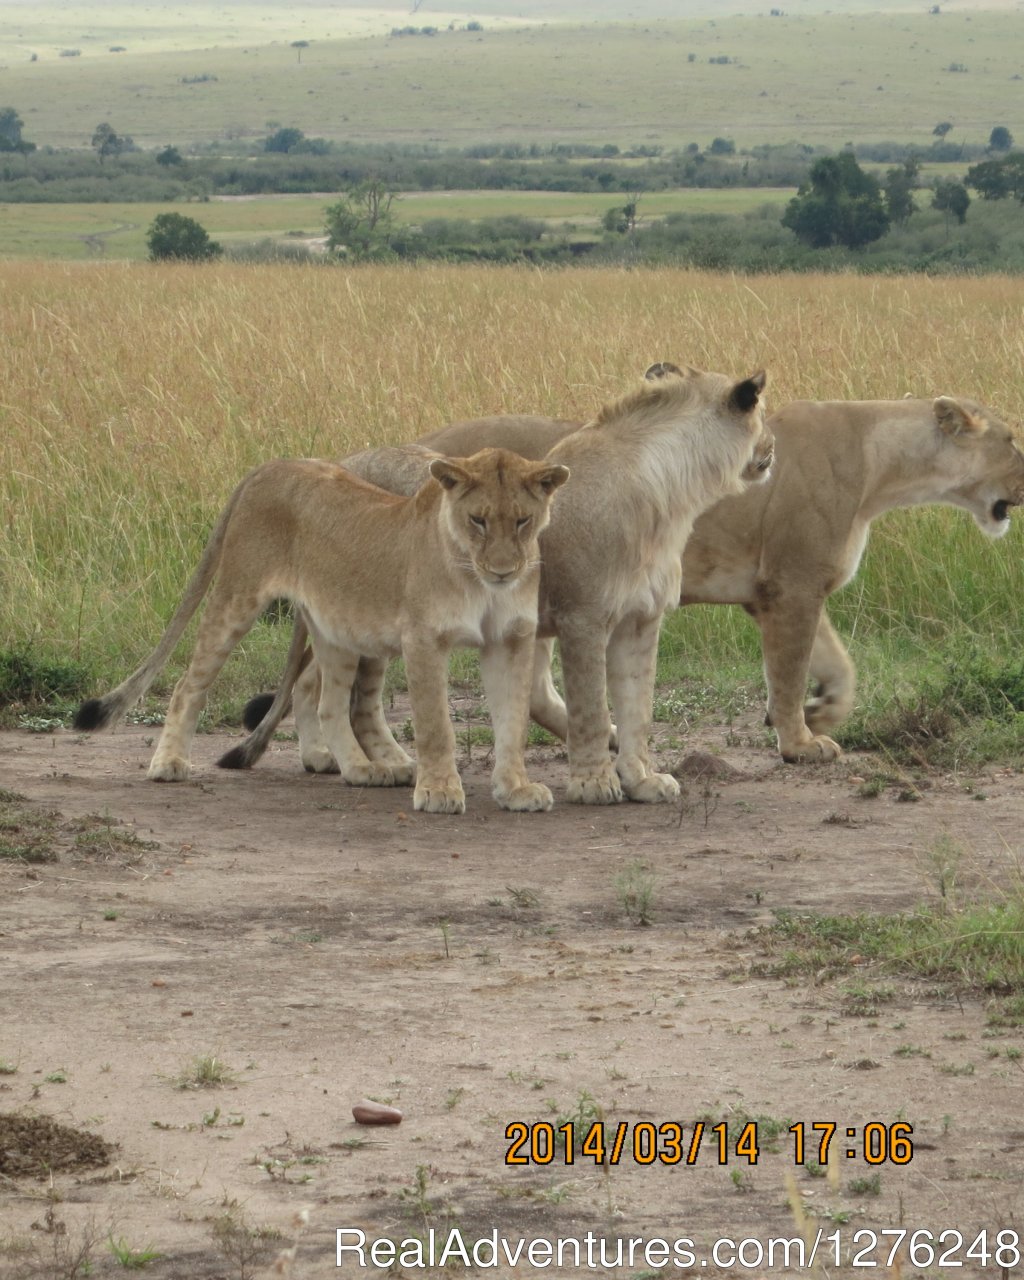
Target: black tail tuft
(255,711)
(92,714)
(236,758)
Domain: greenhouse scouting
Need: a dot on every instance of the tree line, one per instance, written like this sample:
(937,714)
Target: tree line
(114,168)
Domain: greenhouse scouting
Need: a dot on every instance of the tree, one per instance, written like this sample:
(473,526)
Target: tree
(1000,139)
(838,204)
(11,126)
(623,220)
(942,128)
(108,143)
(998,179)
(952,198)
(362,223)
(169,156)
(300,45)
(899,188)
(284,140)
(722,147)
(173,237)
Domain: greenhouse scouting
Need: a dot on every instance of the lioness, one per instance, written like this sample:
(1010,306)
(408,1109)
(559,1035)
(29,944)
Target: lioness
(376,574)
(643,470)
(781,550)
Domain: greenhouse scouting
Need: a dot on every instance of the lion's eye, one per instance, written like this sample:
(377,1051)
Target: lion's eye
(522,522)
(478,522)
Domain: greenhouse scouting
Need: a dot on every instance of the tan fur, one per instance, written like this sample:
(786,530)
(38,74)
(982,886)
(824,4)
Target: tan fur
(780,550)
(643,471)
(377,574)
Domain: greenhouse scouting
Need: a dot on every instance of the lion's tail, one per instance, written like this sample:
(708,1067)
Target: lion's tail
(245,755)
(97,713)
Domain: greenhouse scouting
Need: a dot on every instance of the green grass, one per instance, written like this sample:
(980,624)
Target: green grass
(975,946)
(816,78)
(118,231)
(205,1071)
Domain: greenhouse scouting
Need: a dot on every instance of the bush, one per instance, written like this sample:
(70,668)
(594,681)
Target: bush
(172,236)
(28,678)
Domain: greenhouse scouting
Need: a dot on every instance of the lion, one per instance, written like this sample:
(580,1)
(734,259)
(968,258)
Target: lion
(378,574)
(643,470)
(780,551)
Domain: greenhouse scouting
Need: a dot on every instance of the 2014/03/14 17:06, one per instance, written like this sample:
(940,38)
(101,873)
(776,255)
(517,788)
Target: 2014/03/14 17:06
(542,1142)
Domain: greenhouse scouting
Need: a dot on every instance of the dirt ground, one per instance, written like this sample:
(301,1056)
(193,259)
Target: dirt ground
(326,944)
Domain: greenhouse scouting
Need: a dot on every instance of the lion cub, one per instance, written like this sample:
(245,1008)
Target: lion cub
(372,573)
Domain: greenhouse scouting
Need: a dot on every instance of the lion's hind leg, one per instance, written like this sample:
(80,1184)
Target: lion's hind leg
(370,725)
(834,674)
(338,668)
(225,621)
(313,749)
(788,632)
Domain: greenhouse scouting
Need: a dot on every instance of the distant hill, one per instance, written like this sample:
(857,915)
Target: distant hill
(532,70)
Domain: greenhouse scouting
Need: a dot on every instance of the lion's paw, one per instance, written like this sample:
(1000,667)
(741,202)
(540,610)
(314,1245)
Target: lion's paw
(169,769)
(656,788)
(602,788)
(439,797)
(532,797)
(817,750)
(319,760)
(403,772)
(369,775)
(824,713)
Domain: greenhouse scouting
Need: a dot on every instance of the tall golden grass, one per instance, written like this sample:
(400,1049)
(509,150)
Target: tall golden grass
(135,396)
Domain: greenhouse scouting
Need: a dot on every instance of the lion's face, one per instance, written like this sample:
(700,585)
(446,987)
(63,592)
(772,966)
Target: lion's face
(496,506)
(986,461)
(741,404)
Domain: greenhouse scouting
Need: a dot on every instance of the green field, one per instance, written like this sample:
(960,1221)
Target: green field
(118,231)
(814,77)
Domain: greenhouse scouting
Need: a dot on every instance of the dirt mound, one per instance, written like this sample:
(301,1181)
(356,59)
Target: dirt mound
(35,1146)
(701,765)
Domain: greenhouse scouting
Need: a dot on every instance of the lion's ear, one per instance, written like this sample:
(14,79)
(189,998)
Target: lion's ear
(955,420)
(663,369)
(745,394)
(550,478)
(448,474)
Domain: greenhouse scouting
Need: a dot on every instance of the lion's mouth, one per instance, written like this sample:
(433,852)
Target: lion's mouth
(1001,510)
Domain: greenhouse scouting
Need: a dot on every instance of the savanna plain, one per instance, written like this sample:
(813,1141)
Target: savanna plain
(200,980)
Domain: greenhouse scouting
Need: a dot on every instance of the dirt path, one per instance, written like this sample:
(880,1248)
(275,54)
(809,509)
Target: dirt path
(327,944)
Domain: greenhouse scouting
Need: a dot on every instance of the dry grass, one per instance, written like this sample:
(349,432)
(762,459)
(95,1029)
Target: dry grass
(136,396)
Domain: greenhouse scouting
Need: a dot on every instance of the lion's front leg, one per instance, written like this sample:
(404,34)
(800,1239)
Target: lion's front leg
(788,628)
(507,668)
(632,659)
(438,785)
(546,705)
(835,677)
(592,776)
(370,724)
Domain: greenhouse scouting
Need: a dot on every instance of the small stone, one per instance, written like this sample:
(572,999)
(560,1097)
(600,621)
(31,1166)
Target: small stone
(366,1111)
